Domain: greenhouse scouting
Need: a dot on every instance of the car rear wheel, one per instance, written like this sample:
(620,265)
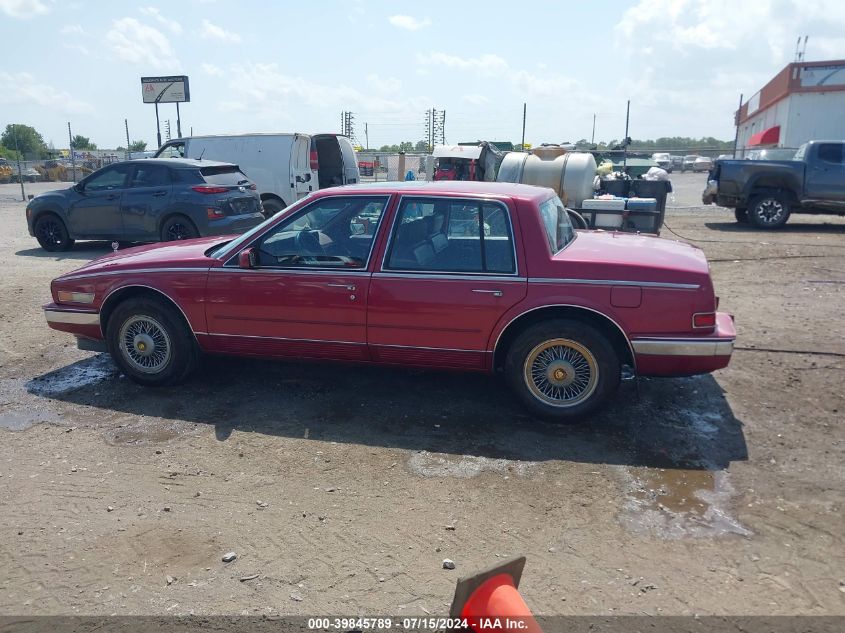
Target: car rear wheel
(178,228)
(51,233)
(768,211)
(741,215)
(272,207)
(562,370)
(150,342)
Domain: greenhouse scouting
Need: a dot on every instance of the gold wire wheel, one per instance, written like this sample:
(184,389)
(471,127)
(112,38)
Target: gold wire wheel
(561,372)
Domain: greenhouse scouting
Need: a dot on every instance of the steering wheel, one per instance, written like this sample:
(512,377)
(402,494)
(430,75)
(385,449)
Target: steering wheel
(308,243)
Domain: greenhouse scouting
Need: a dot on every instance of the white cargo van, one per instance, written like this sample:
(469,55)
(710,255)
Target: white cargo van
(285,167)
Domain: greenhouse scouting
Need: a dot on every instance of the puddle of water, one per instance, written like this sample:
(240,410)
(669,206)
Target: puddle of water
(678,503)
(426,464)
(22,419)
(81,374)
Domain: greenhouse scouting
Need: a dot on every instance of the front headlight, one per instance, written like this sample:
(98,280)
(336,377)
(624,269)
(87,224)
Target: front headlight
(65,296)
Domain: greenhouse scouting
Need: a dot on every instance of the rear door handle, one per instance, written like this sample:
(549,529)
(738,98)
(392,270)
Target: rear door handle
(495,293)
(159,194)
(348,287)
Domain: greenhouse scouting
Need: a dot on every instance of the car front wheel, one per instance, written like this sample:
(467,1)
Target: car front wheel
(51,233)
(769,211)
(562,369)
(150,342)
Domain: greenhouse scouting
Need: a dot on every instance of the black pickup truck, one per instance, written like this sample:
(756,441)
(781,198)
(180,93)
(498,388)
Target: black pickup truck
(766,192)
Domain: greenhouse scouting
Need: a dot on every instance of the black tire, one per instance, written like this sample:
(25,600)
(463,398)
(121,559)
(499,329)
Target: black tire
(741,215)
(178,227)
(52,233)
(576,356)
(272,206)
(768,211)
(150,342)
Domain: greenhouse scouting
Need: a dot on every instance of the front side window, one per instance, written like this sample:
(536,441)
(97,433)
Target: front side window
(559,231)
(452,236)
(108,178)
(336,232)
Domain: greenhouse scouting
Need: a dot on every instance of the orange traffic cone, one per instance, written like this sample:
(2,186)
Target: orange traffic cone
(490,602)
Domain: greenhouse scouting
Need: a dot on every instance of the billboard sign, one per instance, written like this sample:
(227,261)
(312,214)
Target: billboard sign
(172,89)
(822,76)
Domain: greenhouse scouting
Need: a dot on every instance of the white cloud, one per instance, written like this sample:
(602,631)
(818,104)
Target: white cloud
(213,32)
(384,85)
(23,89)
(72,29)
(211,69)
(475,100)
(171,25)
(486,65)
(139,43)
(24,9)
(408,22)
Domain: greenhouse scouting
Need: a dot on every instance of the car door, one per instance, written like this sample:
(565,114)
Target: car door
(96,211)
(146,200)
(448,275)
(825,179)
(302,180)
(306,293)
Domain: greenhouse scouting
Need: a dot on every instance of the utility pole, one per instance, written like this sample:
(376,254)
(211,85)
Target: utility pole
(178,122)
(72,155)
(738,112)
(625,142)
(158,126)
(126,124)
(593,137)
(367,135)
(18,152)
(524,115)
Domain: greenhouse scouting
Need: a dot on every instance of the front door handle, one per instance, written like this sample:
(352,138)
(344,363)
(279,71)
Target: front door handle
(495,293)
(159,194)
(348,287)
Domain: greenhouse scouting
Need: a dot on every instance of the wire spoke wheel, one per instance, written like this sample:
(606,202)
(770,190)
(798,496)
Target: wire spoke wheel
(561,372)
(145,344)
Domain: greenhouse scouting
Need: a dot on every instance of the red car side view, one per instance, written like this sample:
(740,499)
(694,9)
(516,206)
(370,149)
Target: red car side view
(453,275)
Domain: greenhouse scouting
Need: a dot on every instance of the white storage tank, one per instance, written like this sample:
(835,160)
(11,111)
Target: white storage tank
(570,175)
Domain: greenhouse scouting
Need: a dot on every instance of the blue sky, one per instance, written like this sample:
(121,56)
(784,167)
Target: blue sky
(294,66)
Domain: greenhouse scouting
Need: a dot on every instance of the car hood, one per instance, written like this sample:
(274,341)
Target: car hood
(627,257)
(181,254)
(52,193)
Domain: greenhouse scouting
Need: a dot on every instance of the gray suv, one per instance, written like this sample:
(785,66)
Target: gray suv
(148,200)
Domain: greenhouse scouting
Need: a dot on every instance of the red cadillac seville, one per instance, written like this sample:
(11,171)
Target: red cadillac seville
(453,275)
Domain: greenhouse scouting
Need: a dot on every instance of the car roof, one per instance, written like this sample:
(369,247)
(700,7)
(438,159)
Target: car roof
(181,163)
(424,187)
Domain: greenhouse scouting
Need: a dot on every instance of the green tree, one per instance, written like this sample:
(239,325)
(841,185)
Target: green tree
(82,142)
(421,146)
(29,141)
(137,146)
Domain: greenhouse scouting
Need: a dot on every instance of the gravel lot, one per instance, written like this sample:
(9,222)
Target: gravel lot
(344,488)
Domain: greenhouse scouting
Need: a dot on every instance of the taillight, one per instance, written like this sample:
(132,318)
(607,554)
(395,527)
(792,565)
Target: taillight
(315,165)
(210,189)
(704,320)
(213,213)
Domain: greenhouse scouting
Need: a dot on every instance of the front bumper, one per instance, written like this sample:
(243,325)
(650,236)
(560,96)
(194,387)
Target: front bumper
(686,356)
(83,323)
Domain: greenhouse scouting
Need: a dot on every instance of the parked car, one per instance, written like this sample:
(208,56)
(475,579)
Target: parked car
(146,200)
(688,163)
(677,162)
(702,163)
(285,167)
(663,160)
(767,192)
(473,276)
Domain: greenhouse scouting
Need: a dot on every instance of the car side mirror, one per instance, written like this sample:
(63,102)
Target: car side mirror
(246,258)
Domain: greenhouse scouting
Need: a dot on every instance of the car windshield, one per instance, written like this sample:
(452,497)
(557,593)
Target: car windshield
(559,229)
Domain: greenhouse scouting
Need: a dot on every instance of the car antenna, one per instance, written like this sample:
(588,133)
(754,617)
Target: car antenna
(201,153)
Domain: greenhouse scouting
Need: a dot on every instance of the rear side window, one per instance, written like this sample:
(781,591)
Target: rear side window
(831,153)
(150,176)
(559,231)
(224,176)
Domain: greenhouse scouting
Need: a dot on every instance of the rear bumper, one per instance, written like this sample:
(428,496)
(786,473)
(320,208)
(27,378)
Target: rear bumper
(686,356)
(233,224)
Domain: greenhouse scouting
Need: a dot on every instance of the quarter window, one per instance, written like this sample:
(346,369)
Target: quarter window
(331,233)
(454,236)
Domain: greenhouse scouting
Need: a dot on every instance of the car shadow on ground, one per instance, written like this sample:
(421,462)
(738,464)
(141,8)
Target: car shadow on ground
(789,227)
(80,250)
(665,423)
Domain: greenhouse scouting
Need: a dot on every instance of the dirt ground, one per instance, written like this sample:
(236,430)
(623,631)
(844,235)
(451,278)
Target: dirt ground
(342,489)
